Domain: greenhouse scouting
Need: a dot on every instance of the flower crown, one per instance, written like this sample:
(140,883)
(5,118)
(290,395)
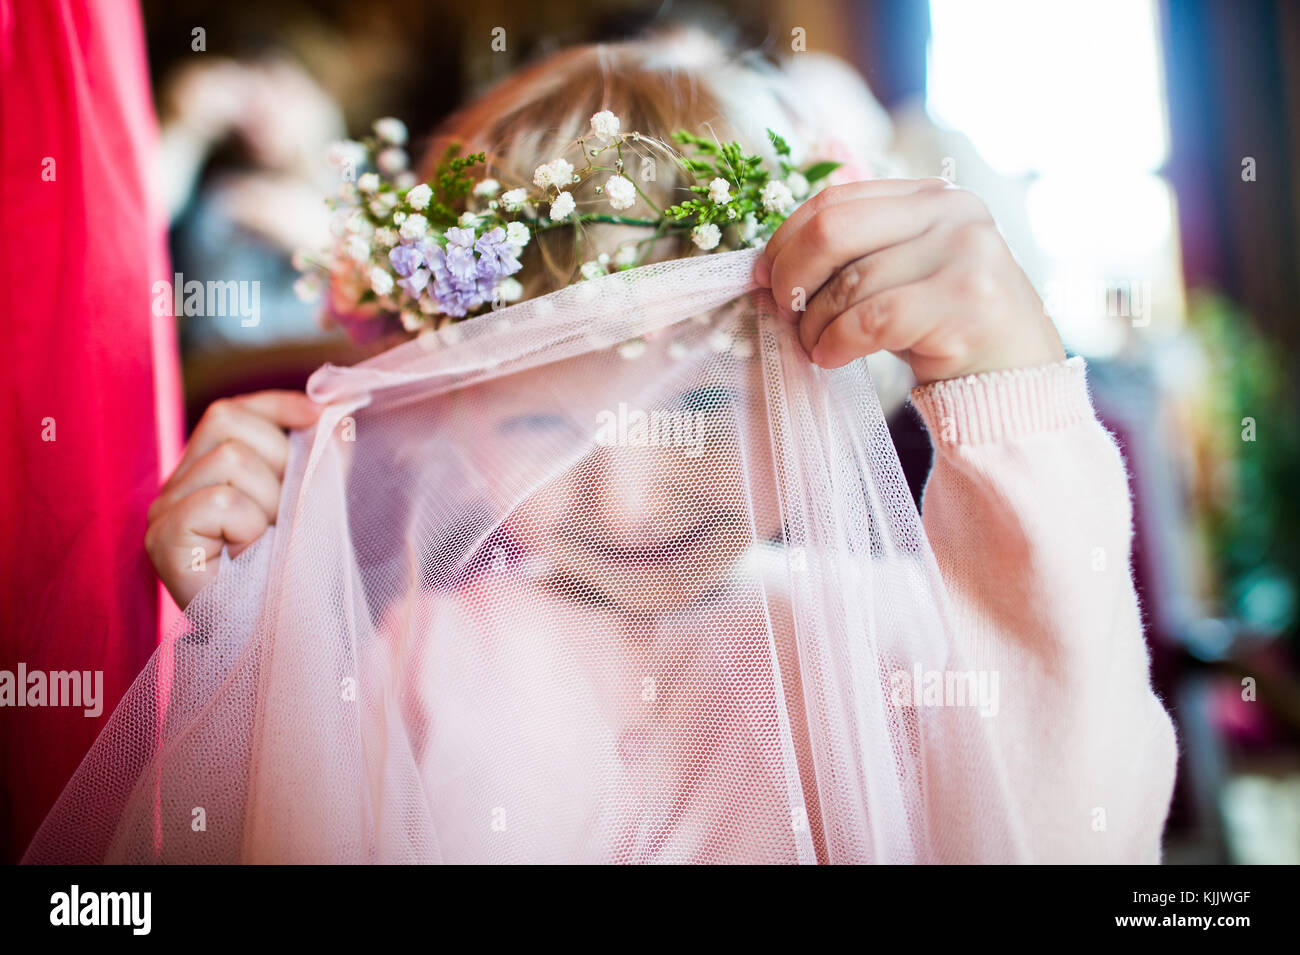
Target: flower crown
(431,253)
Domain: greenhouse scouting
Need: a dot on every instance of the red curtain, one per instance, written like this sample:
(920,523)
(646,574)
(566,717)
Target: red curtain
(90,402)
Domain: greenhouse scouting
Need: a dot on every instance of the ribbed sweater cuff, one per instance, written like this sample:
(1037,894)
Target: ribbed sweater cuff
(1000,405)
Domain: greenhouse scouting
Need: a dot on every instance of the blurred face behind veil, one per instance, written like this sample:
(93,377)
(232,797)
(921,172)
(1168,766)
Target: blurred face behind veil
(666,489)
(636,527)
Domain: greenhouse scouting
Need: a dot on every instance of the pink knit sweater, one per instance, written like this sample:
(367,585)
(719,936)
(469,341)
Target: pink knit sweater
(1027,509)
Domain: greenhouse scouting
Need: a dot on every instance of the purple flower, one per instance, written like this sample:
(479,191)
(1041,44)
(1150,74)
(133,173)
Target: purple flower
(461,263)
(408,257)
(415,283)
(436,260)
(460,237)
(496,255)
(454,301)
(460,280)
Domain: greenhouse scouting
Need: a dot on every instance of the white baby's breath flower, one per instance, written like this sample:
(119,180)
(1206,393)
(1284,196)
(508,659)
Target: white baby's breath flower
(390,129)
(467,220)
(798,184)
(621,192)
(632,350)
(557,173)
(404,180)
(591,270)
(510,290)
(562,173)
(399,218)
(348,191)
(415,227)
(369,182)
(563,206)
(777,197)
(514,199)
(420,196)
(605,124)
(748,228)
(358,248)
(346,154)
(625,255)
(385,237)
(308,287)
(392,161)
(487,188)
(720,191)
(357,224)
(517,234)
(381,281)
(412,321)
(706,236)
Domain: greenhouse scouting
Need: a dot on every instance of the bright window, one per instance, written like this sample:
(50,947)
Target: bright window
(1068,98)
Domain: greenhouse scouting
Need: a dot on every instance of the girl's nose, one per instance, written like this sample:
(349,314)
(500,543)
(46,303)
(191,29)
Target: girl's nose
(635,500)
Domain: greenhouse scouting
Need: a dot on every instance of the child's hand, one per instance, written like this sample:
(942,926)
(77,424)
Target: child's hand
(226,488)
(912,266)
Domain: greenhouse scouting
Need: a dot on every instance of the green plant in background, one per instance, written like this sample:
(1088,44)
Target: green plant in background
(1254,528)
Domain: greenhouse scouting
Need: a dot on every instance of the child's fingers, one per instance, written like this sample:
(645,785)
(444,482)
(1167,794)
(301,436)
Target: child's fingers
(239,419)
(845,232)
(822,241)
(232,462)
(184,542)
(838,234)
(859,280)
(892,320)
(226,488)
(288,409)
(836,195)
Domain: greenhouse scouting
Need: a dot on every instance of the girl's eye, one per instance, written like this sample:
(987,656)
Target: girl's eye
(707,398)
(534,422)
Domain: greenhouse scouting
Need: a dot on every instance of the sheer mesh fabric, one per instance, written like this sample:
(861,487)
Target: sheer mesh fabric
(614,575)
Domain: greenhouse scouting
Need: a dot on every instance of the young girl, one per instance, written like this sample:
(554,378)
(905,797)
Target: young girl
(592,656)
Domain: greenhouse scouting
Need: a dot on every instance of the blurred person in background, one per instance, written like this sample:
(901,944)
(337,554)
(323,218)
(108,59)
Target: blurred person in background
(244,173)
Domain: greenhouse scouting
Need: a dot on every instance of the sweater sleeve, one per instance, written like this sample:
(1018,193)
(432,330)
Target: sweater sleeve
(1028,512)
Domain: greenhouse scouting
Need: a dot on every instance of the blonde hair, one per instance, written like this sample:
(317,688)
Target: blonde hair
(655,86)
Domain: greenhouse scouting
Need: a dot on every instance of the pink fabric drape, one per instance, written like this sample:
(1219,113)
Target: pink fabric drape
(90,406)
